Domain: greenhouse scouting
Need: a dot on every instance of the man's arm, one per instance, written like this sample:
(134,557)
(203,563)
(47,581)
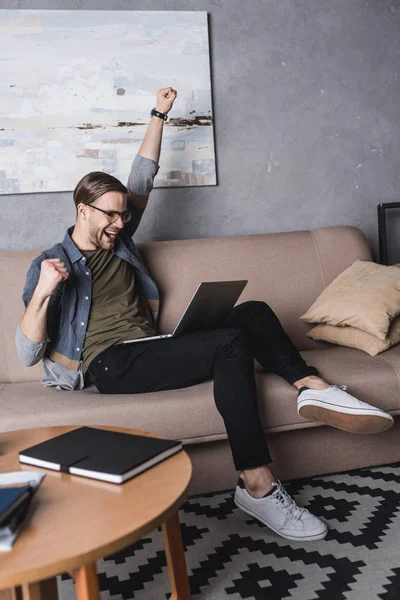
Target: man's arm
(151,144)
(32,334)
(145,165)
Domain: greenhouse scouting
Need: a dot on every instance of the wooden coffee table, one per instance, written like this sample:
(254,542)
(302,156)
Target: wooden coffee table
(76,521)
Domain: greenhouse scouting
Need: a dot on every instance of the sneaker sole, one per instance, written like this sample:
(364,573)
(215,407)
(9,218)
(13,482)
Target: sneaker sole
(347,422)
(311,538)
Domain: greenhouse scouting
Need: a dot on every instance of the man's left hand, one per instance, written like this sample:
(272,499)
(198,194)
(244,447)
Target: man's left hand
(165,99)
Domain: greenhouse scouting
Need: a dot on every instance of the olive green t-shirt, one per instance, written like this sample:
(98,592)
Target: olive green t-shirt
(119,310)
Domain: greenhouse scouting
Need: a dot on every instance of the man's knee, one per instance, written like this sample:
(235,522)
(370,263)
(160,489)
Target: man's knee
(258,306)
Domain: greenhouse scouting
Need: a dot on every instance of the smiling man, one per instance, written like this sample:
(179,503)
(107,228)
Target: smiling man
(87,295)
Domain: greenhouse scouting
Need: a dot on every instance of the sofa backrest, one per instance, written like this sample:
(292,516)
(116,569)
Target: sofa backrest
(286,270)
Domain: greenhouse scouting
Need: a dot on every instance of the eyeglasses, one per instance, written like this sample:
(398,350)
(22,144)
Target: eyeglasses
(113,215)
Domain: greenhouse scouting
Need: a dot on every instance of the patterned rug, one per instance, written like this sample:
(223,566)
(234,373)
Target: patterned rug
(230,555)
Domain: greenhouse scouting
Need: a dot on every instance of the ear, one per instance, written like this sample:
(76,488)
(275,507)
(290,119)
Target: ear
(81,211)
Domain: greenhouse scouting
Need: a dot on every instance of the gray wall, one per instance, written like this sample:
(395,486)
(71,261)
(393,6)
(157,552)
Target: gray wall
(306,104)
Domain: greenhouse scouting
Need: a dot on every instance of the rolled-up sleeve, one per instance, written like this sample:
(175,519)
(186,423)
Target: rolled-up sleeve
(141,177)
(29,353)
(140,183)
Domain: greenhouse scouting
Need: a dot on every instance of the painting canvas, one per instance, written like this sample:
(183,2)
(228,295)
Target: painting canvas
(78,87)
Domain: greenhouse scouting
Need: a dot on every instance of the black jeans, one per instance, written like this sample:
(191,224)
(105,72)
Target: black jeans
(252,330)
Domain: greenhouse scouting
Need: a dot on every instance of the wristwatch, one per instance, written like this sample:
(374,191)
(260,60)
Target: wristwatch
(155,113)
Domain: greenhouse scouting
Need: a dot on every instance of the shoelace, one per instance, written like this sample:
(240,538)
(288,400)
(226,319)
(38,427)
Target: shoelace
(287,501)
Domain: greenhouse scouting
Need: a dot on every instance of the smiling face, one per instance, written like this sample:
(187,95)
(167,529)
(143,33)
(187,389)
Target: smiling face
(97,229)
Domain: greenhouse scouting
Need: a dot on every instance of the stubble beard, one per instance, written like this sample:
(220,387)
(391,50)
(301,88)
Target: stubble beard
(97,239)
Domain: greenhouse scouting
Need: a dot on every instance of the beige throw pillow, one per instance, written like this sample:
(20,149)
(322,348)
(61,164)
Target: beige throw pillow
(355,338)
(365,296)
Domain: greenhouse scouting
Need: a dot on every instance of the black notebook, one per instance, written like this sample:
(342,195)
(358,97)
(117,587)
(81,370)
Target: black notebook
(100,454)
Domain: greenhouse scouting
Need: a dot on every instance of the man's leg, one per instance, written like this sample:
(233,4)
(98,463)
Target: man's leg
(275,351)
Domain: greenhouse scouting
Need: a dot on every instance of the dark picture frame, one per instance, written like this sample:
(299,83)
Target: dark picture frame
(383,242)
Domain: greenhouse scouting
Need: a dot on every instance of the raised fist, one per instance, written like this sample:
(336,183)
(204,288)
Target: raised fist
(52,271)
(165,99)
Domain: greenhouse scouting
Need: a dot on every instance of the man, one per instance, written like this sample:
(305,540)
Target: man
(88,294)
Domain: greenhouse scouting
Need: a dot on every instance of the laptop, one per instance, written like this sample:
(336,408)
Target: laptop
(209,307)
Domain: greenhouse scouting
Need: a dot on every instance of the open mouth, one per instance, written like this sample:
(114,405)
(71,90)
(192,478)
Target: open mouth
(111,234)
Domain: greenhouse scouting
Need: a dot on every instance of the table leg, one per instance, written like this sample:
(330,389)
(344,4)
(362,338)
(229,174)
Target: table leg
(41,590)
(31,591)
(11,594)
(176,559)
(86,582)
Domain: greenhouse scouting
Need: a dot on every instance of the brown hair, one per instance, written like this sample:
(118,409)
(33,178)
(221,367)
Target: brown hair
(95,184)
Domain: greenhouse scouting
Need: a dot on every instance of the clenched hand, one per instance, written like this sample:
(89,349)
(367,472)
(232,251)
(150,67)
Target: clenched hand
(165,99)
(52,271)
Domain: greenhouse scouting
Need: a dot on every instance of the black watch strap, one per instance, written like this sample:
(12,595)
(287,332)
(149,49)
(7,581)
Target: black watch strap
(155,113)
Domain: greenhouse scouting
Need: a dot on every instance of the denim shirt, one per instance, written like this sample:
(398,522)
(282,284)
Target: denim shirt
(69,307)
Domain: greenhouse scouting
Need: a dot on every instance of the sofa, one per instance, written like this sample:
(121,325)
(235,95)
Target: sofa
(286,270)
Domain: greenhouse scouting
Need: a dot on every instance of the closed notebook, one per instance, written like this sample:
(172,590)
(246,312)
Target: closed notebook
(100,454)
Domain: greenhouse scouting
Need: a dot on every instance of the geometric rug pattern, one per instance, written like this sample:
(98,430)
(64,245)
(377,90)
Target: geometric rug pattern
(230,555)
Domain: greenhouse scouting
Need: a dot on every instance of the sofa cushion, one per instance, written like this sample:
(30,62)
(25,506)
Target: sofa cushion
(365,296)
(190,413)
(355,338)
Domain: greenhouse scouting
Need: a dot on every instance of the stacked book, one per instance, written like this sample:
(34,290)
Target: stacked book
(110,456)
(16,492)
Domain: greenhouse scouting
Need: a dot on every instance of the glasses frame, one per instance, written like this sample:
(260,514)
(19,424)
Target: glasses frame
(126,216)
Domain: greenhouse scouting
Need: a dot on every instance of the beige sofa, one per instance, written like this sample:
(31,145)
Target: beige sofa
(286,270)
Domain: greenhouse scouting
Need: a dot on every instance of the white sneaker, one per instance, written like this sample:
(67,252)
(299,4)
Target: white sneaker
(334,406)
(280,513)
